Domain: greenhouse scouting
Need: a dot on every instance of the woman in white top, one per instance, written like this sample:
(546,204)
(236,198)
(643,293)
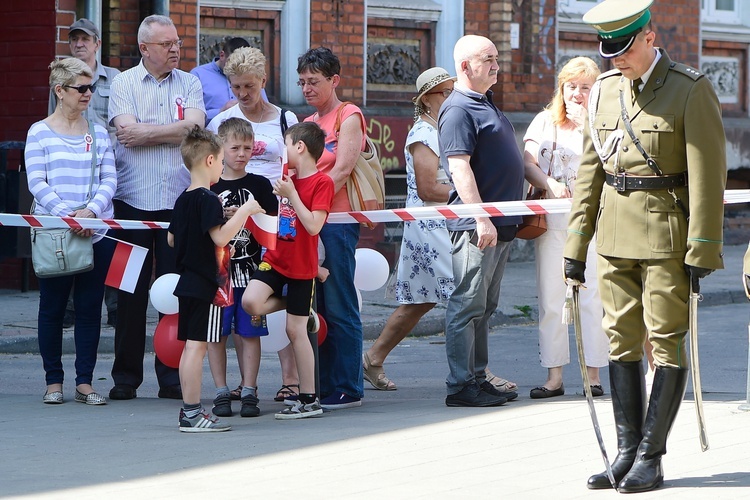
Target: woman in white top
(246,71)
(552,154)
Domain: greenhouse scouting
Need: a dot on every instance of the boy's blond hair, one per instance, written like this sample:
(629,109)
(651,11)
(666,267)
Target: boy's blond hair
(238,128)
(198,145)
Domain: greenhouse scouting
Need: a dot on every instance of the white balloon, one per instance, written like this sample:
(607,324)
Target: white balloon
(371,270)
(162,294)
(277,338)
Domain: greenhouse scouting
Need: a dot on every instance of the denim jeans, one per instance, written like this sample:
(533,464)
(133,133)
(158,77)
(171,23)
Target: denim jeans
(477,275)
(88,294)
(341,353)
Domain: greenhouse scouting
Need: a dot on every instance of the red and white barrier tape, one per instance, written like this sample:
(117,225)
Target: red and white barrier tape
(498,209)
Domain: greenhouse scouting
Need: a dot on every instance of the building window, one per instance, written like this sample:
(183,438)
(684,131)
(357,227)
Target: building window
(576,6)
(721,11)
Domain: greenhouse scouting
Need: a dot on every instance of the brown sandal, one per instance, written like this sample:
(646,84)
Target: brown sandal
(376,376)
(235,394)
(500,383)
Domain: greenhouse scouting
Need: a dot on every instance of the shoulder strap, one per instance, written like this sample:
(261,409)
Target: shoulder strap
(282,122)
(339,111)
(626,121)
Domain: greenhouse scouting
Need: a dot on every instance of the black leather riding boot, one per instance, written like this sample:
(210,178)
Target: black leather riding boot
(666,396)
(627,384)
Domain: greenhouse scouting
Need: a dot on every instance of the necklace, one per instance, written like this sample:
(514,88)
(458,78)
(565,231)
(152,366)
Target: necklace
(262,114)
(431,119)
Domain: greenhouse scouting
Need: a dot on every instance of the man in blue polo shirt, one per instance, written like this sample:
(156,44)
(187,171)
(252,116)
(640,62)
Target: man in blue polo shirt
(478,149)
(217,93)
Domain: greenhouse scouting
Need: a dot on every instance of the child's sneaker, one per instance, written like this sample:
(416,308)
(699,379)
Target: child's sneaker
(300,410)
(223,405)
(249,406)
(202,422)
(291,400)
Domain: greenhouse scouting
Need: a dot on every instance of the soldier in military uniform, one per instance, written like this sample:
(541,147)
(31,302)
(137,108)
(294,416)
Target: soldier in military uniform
(650,186)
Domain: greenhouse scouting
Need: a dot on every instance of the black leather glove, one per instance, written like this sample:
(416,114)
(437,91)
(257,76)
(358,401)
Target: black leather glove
(697,272)
(574,269)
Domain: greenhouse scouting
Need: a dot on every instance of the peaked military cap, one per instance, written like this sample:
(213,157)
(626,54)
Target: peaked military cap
(618,22)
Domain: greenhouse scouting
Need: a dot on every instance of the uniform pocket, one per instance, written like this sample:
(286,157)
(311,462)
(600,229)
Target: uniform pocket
(605,124)
(667,227)
(657,133)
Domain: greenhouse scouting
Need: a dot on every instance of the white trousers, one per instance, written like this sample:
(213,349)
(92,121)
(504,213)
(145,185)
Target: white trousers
(554,341)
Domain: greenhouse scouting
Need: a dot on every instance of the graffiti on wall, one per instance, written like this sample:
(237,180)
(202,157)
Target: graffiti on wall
(388,133)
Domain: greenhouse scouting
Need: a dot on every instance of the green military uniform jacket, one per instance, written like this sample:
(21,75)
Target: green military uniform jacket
(677,118)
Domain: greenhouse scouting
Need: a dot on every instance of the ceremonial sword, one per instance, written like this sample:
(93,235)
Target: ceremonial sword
(695,368)
(573,286)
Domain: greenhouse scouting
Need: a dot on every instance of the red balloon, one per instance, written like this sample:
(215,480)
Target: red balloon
(323,330)
(166,345)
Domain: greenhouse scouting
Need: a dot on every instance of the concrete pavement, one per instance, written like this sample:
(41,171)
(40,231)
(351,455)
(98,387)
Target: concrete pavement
(401,444)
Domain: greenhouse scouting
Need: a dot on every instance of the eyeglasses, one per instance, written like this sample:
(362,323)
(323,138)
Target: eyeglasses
(310,83)
(445,92)
(82,88)
(166,45)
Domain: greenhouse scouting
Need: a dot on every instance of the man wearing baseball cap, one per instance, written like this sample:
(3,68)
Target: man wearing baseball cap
(650,187)
(85,42)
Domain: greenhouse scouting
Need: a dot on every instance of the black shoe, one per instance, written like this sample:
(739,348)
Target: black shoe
(472,395)
(249,406)
(112,319)
(69,319)
(170,392)
(122,392)
(597,390)
(492,390)
(542,392)
(222,405)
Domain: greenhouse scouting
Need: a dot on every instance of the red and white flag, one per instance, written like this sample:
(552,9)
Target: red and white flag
(126,266)
(263,228)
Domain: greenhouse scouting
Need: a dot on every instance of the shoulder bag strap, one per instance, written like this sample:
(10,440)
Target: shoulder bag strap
(339,111)
(282,122)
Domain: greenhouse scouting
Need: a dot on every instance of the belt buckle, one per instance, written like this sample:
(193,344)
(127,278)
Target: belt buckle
(620,181)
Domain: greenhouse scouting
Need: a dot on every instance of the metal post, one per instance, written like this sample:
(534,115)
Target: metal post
(160,7)
(746,405)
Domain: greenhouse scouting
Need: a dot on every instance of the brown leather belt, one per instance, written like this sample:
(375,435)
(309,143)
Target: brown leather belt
(623,182)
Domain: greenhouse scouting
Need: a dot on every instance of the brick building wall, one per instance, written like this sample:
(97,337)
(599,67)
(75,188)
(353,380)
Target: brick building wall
(340,25)
(525,81)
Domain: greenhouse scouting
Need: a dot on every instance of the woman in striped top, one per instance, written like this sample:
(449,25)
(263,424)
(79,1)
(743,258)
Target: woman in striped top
(58,157)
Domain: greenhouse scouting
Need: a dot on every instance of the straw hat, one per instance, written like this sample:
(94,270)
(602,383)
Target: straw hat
(428,80)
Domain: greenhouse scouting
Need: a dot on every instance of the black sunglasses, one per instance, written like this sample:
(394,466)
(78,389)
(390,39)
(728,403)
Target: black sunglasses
(82,88)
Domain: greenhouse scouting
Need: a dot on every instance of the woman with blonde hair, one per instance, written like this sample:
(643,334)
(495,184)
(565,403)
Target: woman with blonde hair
(71,172)
(552,153)
(246,71)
